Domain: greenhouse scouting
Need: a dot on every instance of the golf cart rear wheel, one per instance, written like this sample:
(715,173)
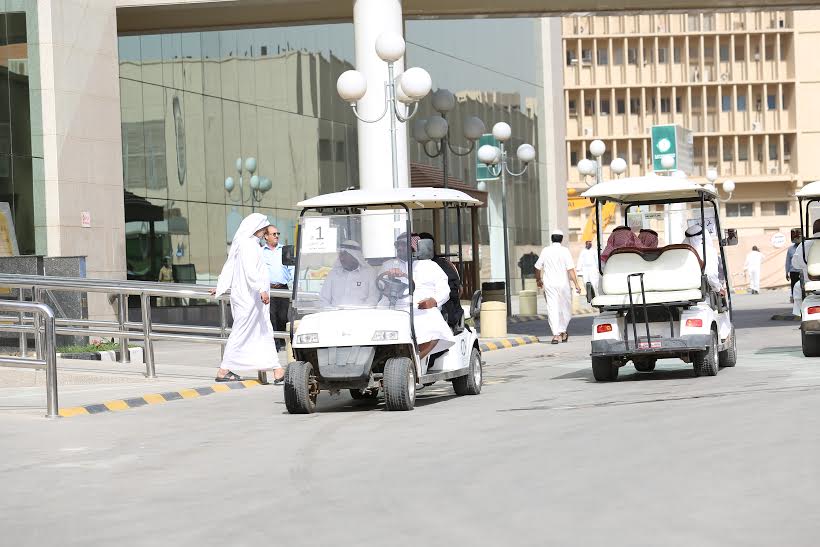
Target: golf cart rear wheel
(301,388)
(471,383)
(705,363)
(604,369)
(399,384)
(811,344)
(728,357)
(368,395)
(644,365)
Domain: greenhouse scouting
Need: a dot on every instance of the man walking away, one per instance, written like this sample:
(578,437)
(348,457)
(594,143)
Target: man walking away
(553,272)
(752,267)
(280,276)
(587,265)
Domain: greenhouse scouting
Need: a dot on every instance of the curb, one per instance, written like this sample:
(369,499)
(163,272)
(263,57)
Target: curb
(524,318)
(785,317)
(110,355)
(492,344)
(118,405)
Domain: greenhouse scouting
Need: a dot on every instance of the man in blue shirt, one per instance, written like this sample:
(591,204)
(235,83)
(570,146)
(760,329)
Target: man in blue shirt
(280,276)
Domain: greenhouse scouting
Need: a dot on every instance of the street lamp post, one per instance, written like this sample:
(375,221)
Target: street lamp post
(728,185)
(258,185)
(589,168)
(437,130)
(408,88)
(495,159)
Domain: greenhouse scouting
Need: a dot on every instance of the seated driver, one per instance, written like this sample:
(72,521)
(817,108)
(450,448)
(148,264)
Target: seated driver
(431,292)
(351,282)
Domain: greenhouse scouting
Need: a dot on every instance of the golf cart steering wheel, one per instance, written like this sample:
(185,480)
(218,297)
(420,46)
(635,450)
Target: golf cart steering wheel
(391,288)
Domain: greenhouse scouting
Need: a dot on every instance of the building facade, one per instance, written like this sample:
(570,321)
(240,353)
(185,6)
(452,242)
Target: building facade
(741,82)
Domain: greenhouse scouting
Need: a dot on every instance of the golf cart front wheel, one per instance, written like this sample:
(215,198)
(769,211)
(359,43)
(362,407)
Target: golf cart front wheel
(399,384)
(604,369)
(811,344)
(471,383)
(301,388)
(706,363)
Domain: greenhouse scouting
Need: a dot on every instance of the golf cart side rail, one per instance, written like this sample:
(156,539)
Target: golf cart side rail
(407,231)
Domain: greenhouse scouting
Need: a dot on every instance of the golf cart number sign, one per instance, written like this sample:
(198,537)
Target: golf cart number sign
(318,236)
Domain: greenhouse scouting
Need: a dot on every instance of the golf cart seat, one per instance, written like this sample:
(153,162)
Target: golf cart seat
(671,274)
(813,262)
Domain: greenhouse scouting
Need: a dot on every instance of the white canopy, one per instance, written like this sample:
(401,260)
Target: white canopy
(810,190)
(647,188)
(413,198)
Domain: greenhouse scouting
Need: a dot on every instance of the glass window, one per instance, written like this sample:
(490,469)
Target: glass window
(724,53)
(571,58)
(621,105)
(772,151)
(771,102)
(742,150)
(603,56)
(571,107)
(728,152)
(740,52)
(604,107)
(785,104)
(694,54)
(678,105)
(619,56)
(693,23)
(741,103)
(632,56)
(662,58)
(726,103)
(739,209)
(774,208)
(648,55)
(665,105)
(586,56)
(676,55)
(589,107)
(573,158)
(708,53)
(634,106)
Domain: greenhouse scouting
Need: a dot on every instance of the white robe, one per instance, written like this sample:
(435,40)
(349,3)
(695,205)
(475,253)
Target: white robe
(250,346)
(587,266)
(752,266)
(554,262)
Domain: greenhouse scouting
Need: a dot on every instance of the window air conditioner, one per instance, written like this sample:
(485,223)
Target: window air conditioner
(773,171)
(787,157)
(756,126)
(580,30)
(724,77)
(587,131)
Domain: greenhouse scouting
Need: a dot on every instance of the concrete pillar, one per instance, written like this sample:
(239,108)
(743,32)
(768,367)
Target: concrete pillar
(370,19)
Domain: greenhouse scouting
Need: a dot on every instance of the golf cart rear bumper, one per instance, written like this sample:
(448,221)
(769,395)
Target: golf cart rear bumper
(811,327)
(660,347)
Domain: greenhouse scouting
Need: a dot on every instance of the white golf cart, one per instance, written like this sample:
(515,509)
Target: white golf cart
(657,303)
(810,309)
(361,336)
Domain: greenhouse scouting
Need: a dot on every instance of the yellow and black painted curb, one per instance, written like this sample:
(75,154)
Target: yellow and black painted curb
(491,344)
(118,405)
(524,318)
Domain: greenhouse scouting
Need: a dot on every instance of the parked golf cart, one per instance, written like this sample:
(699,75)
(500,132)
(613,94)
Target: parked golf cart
(657,303)
(810,285)
(367,344)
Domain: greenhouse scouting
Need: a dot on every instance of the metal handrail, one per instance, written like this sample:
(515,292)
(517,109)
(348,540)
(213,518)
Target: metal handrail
(46,344)
(122,328)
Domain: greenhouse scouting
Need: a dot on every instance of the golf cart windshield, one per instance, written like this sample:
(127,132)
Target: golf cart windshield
(353,261)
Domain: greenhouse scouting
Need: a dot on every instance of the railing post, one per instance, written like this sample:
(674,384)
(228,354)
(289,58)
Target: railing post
(148,346)
(125,356)
(37,296)
(23,338)
(50,350)
(223,324)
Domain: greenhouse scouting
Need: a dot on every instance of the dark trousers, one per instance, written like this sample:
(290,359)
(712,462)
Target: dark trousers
(279,318)
(794,278)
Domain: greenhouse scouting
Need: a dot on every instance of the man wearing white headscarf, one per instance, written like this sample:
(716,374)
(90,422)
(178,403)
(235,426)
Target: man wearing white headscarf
(351,282)
(800,265)
(553,272)
(694,237)
(250,346)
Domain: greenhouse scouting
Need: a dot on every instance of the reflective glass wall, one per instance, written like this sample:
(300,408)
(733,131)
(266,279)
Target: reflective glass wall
(195,103)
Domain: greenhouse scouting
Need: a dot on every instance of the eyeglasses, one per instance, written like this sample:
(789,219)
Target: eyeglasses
(273,234)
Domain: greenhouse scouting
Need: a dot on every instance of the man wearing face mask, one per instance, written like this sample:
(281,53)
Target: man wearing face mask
(351,282)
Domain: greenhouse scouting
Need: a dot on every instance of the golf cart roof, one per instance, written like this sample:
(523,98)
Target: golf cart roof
(647,188)
(413,198)
(810,190)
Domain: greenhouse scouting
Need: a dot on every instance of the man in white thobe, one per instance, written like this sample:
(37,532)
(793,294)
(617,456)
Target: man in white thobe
(752,266)
(351,282)
(694,238)
(250,346)
(553,272)
(587,265)
(799,264)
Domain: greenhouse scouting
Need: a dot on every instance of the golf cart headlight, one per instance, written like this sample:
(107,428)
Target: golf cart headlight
(385,335)
(310,338)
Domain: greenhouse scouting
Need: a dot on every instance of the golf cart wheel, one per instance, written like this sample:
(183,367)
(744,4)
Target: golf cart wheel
(644,365)
(301,388)
(399,384)
(474,379)
(367,395)
(811,344)
(706,362)
(604,369)
(728,357)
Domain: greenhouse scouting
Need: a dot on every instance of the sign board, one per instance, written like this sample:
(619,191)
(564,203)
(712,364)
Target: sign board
(482,172)
(778,240)
(709,218)
(319,236)
(85,219)
(672,141)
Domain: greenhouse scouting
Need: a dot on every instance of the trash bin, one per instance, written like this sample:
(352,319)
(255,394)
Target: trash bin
(493,291)
(527,302)
(530,284)
(493,319)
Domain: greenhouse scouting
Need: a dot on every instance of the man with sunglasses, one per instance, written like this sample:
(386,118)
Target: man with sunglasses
(280,276)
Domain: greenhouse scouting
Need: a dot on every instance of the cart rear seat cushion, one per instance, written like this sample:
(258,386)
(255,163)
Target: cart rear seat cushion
(812,286)
(813,260)
(671,274)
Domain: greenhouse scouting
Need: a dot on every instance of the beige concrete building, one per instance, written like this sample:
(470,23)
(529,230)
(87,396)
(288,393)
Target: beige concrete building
(742,82)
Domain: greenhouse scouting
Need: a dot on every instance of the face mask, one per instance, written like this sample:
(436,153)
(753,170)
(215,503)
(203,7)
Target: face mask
(348,262)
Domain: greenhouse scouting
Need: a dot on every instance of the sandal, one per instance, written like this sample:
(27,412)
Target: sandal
(564,337)
(555,340)
(230,377)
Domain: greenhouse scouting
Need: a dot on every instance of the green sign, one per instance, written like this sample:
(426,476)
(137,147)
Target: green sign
(482,172)
(675,142)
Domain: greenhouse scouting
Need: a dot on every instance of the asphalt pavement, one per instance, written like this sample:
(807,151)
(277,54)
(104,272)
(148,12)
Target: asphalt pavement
(544,456)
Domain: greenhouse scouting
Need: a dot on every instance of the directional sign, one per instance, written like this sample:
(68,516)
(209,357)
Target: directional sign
(675,142)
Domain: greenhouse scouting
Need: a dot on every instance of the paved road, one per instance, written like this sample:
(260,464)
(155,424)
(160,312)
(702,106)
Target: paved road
(544,456)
